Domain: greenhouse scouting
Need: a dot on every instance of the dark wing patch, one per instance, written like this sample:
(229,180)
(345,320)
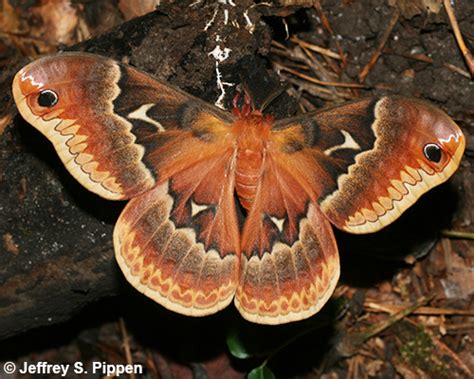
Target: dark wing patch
(367,165)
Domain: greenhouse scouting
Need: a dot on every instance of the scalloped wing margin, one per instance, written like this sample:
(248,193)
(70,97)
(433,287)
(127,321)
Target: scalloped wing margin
(363,162)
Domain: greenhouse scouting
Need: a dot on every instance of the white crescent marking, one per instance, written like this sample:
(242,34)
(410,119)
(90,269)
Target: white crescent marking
(140,114)
(196,208)
(348,143)
(278,222)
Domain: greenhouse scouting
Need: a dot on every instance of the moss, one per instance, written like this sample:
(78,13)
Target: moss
(421,353)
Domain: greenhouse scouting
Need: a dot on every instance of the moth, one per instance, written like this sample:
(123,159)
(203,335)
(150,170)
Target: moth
(187,166)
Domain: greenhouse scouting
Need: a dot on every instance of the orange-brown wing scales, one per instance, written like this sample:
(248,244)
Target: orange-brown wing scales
(289,264)
(95,144)
(107,118)
(204,198)
(275,214)
(364,162)
(179,242)
(290,282)
(386,180)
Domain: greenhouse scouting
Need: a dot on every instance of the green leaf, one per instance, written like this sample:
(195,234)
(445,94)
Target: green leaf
(261,372)
(236,346)
(245,340)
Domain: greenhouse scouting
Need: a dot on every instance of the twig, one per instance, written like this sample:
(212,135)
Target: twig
(445,350)
(457,70)
(459,39)
(317,81)
(326,25)
(390,308)
(353,340)
(303,55)
(460,328)
(313,90)
(417,57)
(278,45)
(126,345)
(426,59)
(375,56)
(310,61)
(457,234)
(316,48)
(318,68)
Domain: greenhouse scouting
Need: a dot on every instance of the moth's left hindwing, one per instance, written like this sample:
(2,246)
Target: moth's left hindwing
(179,242)
(104,118)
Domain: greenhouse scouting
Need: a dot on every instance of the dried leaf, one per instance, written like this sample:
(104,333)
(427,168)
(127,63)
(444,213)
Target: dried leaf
(58,21)
(411,8)
(9,19)
(373,367)
(39,27)
(136,8)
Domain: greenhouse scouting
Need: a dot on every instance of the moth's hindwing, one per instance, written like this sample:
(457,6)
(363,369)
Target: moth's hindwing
(179,242)
(367,162)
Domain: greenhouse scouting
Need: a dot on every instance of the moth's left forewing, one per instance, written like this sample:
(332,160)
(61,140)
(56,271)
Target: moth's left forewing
(374,158)
(105,119)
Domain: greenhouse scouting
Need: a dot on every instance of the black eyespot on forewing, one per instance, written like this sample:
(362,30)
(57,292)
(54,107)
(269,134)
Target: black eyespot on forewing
(47,98)
(432,152)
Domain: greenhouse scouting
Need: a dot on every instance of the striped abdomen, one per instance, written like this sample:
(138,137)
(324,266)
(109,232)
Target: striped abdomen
(247,175)
(252,132)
